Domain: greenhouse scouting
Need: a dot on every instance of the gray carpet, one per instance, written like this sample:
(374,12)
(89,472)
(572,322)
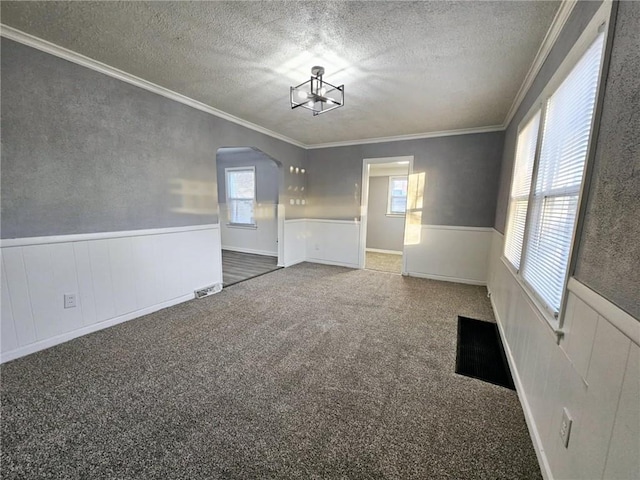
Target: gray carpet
(238,266)
(308,372)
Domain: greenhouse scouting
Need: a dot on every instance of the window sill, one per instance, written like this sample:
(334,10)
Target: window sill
(550,320)
(246,226)
(397,215)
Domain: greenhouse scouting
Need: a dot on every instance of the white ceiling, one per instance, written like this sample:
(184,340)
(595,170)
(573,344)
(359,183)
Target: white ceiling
(408,67)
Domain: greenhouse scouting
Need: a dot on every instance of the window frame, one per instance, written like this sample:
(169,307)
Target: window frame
(228,170)
(533,112)
(598,24)
(391,213)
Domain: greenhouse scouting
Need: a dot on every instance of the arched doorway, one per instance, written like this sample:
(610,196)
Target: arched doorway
(248,197)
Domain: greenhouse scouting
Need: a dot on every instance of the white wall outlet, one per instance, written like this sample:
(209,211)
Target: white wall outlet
(565,427)
(70,300)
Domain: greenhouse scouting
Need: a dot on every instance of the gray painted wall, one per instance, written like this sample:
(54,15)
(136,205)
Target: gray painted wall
(83,152)
(609,253)
(462,174)
(383,231)
(580,16)
(267,175)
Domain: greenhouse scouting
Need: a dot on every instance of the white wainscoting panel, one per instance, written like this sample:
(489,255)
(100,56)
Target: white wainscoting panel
(333,242)
(592,371)
(295,241)
(116,277)
(455,254)
(261,240)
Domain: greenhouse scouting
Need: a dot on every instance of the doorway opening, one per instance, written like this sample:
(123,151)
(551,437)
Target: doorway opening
(385,184)
(248,196)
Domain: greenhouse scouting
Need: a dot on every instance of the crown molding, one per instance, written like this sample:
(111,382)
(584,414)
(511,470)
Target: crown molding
(549,40)
(415,136)
(66,54)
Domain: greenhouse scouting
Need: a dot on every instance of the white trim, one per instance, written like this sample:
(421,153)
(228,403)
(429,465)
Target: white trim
(265,253)
(364,204)
(444,278)
(380,250)
(242,226)
(65,337)
(413,136)
(620,319)
(80,237)
(545,468)
(324,220)
(560,19)
(531,297)
(330,262)
(562,15)
(459,227)
(295,220)
(79,59)
(280,213)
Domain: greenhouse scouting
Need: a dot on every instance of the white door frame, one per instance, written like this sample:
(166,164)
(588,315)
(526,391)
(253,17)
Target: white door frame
(364,205)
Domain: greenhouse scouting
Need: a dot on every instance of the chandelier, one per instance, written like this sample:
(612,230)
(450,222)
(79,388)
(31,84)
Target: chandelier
(317,95)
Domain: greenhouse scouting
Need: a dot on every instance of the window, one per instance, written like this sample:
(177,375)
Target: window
(241,195)
(520,188)
(397,202)
(547,180)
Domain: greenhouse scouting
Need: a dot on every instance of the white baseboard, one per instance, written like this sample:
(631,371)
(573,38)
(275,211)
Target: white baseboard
(444,278)
(330,262)
(65,337)
(250,250)
(526,408)
(291,263)
(380,250)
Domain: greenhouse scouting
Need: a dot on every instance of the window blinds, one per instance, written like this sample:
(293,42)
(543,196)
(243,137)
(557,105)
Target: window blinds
(241,190)
(520,188)
(554,203)
(397,204)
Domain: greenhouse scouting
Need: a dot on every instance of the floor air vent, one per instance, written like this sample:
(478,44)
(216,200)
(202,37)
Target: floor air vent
(206,291)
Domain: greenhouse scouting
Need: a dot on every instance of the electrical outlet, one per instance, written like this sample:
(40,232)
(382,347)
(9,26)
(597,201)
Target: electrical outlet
(565,427)
(70,300)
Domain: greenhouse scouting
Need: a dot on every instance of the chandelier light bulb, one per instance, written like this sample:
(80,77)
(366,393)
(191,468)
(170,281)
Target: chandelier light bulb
(312,94)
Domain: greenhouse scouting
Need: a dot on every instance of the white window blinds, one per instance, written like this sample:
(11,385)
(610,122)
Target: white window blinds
(554,202)
(241,191)
(397,202)
(520,188)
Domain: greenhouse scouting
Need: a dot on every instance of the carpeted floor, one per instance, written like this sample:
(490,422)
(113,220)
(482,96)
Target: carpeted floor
(309,372)
(383,262)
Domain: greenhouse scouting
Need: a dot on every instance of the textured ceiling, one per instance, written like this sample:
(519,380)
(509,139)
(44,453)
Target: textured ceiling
(408,67)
